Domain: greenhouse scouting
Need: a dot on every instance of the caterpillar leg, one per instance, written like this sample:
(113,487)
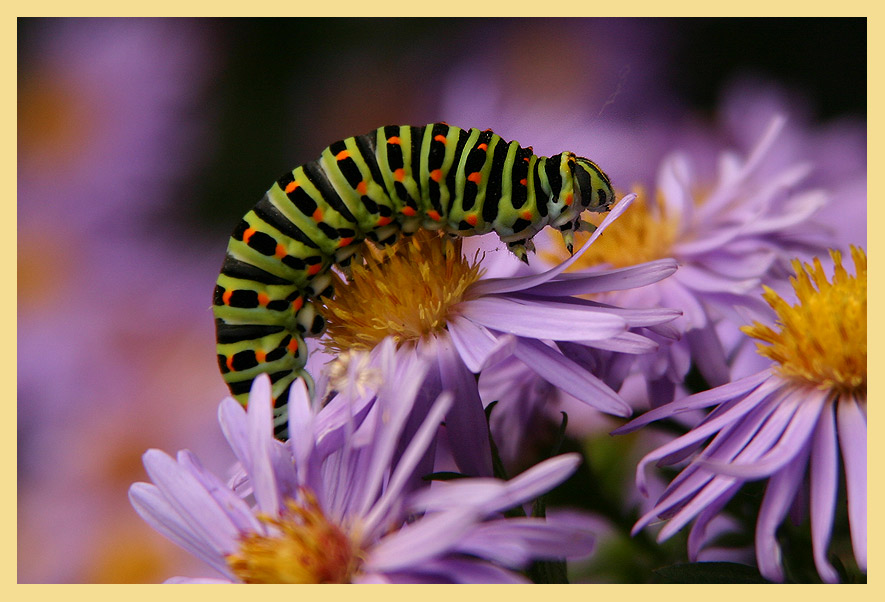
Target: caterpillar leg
(568,232)
(585,226)
(310,322)
(521,248)
(346,256)
(386,235)
(568,239)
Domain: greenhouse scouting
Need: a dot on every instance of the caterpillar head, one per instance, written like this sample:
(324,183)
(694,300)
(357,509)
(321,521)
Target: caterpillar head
(592,191)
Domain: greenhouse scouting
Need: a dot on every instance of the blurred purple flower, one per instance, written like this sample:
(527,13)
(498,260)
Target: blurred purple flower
(835,152)
(782,423)
(330,504)
(102,133)
(105,123)
(112,315)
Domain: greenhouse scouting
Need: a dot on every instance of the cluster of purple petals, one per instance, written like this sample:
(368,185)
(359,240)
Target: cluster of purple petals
(348,455)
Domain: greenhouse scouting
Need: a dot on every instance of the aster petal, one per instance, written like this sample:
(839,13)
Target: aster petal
(373,578)
(625,342)
(540,321)
(853,442)
(674,181)
(720,488)
(418,444)
(191,501)
(706,349)
(260,463)
(301,429)
(393,408)
(772,190)
(752,404)
(742,260)
(407,463)
(675,293)
(588,282)
(466,421)
(491,286)
(742,438)
(232,418)
(747,438)
(728,182)
(238,510)
(480,492)
(689,450)
(715,493)
(635,317)
(806,206)
(738,388)
(704,281)
(565,374)
(717,239)
(420,541)
(738,307)
(807,411)
(151,505)
(476,345)
(489,496)
(779,495)
(464,570)
(783,183)
(515,542)
(337,419)
(824,477)
(667,331)
(534,482)
(698,534)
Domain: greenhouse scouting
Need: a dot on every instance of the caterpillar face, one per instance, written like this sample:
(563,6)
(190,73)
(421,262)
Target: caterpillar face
(393,180)
(592,186)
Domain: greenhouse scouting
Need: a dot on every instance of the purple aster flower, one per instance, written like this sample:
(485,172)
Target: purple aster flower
(331,506)
(726,238)
(836,149)
(789,423)
(434,302)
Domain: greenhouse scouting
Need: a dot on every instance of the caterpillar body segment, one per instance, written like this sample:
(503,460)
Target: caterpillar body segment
(391,181)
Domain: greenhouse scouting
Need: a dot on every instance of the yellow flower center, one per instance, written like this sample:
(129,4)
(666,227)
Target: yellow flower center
(407,291)
(304,548)
(643,233)
(823,339)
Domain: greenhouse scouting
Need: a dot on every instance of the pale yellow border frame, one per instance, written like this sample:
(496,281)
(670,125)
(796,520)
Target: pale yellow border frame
(472,8)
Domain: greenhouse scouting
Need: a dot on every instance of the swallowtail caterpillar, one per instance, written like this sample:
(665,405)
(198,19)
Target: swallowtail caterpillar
(396,179)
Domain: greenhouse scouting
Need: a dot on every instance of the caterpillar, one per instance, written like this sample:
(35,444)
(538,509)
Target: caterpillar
(393,180)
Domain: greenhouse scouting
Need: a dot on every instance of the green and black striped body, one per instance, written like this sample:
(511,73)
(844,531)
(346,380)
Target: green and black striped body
(393,180)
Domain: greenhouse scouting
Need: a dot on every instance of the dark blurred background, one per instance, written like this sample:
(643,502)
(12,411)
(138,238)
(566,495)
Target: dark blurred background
(142,142)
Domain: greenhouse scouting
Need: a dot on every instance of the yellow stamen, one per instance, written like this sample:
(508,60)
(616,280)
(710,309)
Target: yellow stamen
(406,291)
(823,339)
(304,548)
(643,233)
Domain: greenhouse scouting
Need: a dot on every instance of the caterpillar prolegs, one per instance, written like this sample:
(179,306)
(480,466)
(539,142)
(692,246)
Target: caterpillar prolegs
(393,180)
